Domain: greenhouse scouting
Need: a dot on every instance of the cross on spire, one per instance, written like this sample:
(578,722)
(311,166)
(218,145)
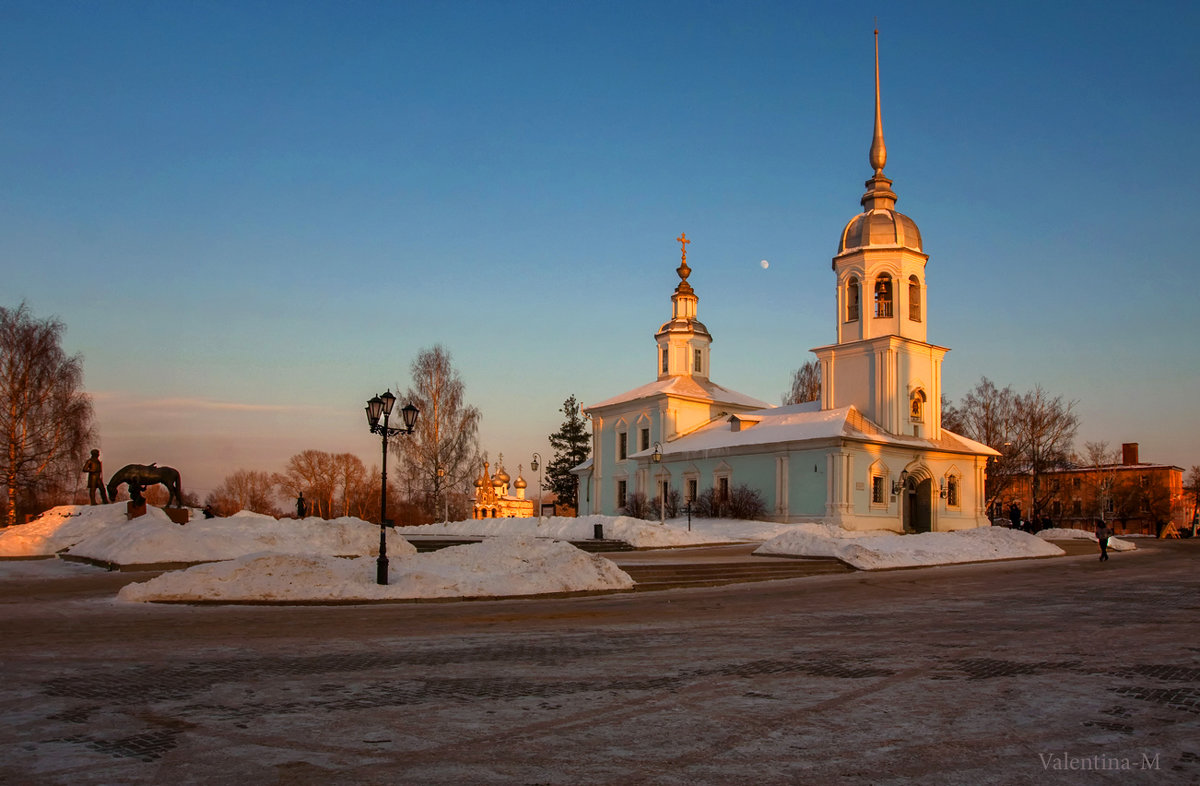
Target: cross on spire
(683,243)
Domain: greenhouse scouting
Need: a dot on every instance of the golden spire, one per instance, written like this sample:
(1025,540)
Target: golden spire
(879,189)
(878,149)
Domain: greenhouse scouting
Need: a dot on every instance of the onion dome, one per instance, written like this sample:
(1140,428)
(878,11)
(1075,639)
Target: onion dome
(520,483)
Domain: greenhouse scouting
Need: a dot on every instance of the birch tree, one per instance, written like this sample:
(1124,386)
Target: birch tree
(45,416)
(806,384)
(441,458)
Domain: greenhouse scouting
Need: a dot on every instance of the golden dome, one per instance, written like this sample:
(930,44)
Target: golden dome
(880,227)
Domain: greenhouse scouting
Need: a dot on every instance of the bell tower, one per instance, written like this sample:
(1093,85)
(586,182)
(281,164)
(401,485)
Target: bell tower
(881,362)
(683,342)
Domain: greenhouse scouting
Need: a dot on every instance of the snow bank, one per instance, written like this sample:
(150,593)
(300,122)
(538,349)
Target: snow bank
(1059,533)
(501,566)
(103,533)
(154,538)
(876,551)
(636,532)
(59,528)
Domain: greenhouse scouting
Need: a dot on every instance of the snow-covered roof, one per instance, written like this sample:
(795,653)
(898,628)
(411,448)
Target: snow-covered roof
(584,467)
(684,387)
(805,422)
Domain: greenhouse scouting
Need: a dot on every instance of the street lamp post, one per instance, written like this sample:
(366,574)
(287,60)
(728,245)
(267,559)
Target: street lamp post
(382,405)
(662,491)
(536,466)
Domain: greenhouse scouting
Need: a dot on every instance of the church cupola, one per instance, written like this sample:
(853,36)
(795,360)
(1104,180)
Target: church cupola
(683,342)
(880,261)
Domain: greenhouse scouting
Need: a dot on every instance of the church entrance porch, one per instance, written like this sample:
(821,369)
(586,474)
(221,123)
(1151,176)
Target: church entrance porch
(918,505)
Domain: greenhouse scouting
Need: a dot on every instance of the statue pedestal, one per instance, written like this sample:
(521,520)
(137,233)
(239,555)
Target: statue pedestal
(178,515)
(132,511)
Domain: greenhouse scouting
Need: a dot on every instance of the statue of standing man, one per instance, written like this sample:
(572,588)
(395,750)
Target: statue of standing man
(95,473)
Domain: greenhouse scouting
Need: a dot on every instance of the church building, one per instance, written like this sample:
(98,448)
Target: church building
(870,454)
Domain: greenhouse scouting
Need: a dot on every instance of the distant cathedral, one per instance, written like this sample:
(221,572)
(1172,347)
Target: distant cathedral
(871,454)
(492,500)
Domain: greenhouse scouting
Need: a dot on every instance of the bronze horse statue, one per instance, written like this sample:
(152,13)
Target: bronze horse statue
(141,475)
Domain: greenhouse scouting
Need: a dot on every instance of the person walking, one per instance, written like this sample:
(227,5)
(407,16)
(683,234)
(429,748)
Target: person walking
(1102,538)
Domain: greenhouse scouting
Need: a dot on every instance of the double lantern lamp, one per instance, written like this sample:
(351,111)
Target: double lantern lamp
(377,406)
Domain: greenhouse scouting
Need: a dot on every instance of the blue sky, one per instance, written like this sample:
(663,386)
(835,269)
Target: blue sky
(252,216)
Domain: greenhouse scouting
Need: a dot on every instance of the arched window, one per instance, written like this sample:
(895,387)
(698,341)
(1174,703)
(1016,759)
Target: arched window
(952,491)
(914,299)
(852,295)
(883,296)
(918,406)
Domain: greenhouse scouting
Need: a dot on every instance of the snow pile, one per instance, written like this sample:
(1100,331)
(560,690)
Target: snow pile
(61,527)
(1059,533)
(501,566)
(103,533)
(636,532)
(877,551)
(153,538)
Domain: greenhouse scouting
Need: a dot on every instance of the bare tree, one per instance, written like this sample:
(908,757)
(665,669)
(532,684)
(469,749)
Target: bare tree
(806,384)
(1045,428)
(45,417)
(311,472)
(987,414)
(1032,432)
(245,489)
(353,483)
(441,458)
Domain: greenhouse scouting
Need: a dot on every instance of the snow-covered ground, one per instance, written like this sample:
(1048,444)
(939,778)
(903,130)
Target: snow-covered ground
(636,532)
(881,550)
(253,557)
(1059,533)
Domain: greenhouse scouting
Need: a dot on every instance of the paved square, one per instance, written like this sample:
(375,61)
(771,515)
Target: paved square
(999,673)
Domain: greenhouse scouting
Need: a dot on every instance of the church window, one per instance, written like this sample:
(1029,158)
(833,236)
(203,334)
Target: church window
(914,299)
(697,356)
(852,295)
(878,491)
(723,490)
(952,491)
(664,360)
(883,296)
(1077,508)
(622,492)
(622,446)
(691,489)
(645,440)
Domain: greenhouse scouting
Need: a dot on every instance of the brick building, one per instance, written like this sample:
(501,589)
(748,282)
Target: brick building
(1132,497)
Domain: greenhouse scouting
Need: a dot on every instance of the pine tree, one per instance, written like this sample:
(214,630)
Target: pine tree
(572,445)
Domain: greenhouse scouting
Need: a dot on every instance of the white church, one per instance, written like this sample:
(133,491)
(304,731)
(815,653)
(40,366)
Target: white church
(870,454)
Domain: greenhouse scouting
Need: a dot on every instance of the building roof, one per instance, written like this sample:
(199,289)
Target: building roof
(802,423)
(684,387)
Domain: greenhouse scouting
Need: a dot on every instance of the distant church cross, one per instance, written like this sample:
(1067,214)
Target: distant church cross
(683,241)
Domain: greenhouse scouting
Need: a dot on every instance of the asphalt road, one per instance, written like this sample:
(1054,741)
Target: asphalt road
(1060,671)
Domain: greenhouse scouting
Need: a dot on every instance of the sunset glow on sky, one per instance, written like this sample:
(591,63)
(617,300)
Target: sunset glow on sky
(252,216)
